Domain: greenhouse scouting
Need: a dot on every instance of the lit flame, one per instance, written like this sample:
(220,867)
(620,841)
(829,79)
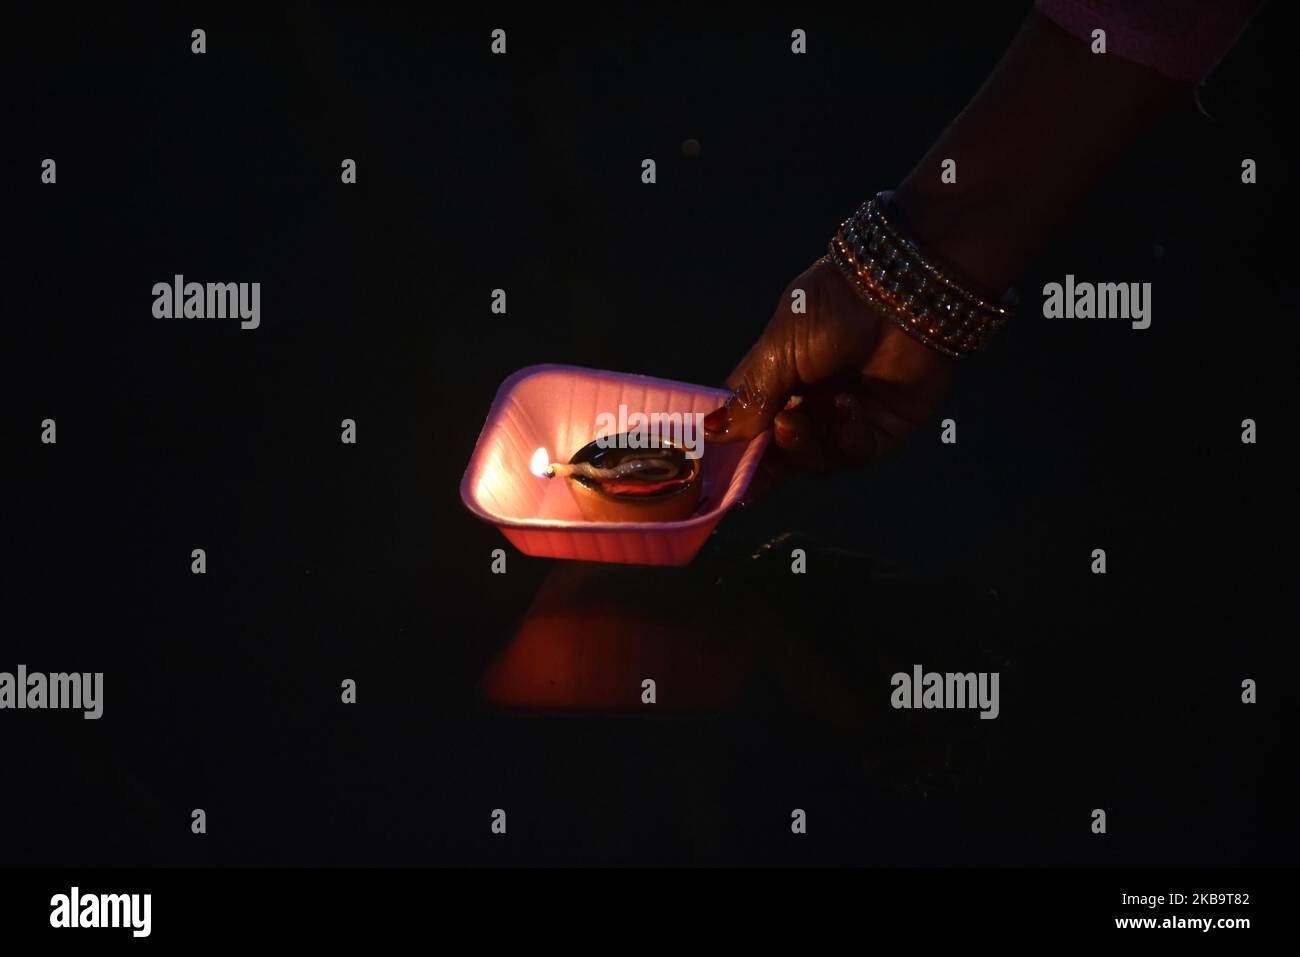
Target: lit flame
(541,462)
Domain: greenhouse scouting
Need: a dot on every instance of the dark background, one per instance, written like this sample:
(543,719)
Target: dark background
(328,561)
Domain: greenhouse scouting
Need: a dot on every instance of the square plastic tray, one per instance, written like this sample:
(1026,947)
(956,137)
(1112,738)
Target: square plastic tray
(556,407)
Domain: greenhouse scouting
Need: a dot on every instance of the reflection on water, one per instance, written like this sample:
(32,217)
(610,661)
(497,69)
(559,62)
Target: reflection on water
(595,633)
(794,669)
(735,629)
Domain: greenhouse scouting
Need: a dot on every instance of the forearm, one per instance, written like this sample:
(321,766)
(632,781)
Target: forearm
(1050,120)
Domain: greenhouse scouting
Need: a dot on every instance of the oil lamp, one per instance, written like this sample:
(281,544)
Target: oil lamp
(554,406)
(619,479)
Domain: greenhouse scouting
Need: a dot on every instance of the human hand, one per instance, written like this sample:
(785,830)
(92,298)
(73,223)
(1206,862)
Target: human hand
(839,384)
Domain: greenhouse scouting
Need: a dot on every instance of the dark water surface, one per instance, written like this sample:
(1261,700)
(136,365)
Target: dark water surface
(523,691)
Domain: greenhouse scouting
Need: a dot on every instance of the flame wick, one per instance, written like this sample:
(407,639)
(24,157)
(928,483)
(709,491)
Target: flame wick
(540,464)
(649,469)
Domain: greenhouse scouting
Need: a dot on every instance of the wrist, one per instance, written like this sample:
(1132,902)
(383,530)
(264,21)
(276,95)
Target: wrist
(956,235)
(925,297)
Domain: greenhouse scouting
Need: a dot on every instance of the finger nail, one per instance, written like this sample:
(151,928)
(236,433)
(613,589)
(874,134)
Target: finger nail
(717,420)
(784,434)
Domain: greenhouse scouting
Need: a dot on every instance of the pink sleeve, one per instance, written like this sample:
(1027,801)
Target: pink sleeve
(1183,39)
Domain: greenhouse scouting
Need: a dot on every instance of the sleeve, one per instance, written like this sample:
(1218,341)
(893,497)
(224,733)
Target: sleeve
(1183,39)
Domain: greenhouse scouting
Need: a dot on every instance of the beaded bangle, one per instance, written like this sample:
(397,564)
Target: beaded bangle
(889,272)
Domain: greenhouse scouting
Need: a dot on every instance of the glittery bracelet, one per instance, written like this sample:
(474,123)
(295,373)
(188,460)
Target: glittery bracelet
(889,272)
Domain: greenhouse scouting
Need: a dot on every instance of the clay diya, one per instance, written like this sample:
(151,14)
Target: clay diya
(613,482)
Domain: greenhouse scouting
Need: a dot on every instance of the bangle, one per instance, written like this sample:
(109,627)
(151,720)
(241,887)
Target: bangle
(888,271)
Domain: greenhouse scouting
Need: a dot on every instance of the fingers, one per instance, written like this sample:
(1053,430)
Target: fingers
(832,427)
(760,385)
(826,429)
(769,373)
(837,383)
(820,329)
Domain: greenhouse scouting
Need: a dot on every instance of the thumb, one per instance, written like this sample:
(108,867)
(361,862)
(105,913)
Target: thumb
(831,333)
(760,387)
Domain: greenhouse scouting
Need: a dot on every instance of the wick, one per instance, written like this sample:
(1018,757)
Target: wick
(649,469)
